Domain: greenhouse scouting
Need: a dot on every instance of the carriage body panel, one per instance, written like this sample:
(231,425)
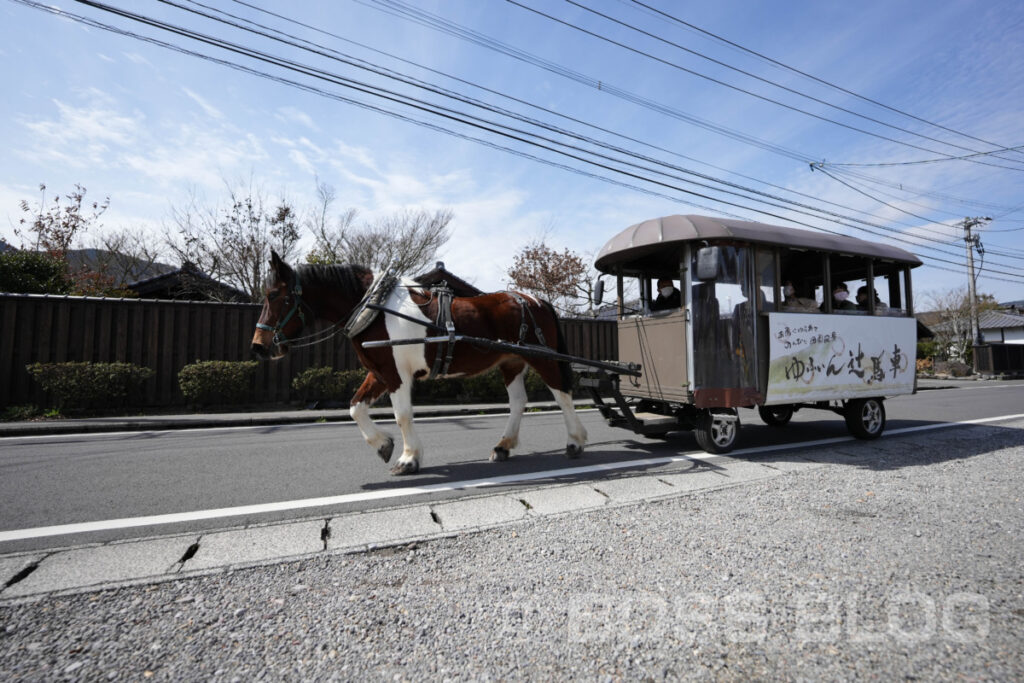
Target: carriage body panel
(663,353)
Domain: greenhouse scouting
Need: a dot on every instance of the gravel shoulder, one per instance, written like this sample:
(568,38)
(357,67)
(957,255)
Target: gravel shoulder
(903,559)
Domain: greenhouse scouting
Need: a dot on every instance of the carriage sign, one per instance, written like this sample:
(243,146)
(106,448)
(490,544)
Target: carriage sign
(825,357)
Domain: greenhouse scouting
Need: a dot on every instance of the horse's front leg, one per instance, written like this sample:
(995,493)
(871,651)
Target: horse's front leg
(401,400)
(369,391)
(515,385)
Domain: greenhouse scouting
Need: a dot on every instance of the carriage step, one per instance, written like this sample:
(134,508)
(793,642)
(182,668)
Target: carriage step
(656,420)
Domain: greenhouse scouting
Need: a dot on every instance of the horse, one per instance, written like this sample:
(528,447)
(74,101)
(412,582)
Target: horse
(336,293)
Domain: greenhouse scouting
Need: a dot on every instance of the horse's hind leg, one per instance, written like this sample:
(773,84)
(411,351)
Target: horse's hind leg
(559,381)
(515,385)
(369,391)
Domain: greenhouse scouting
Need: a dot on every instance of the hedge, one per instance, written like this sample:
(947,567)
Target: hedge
(217,382)
(327,384)
(79,386)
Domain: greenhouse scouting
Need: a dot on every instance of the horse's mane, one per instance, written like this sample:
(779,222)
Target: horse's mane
(345,277)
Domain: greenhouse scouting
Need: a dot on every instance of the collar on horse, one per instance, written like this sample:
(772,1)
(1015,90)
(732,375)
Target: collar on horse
(366,310)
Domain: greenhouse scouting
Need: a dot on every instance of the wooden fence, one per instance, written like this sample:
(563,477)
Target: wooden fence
(168,335)
(999,359)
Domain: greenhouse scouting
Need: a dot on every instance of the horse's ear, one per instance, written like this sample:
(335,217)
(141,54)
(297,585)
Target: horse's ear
(281,269)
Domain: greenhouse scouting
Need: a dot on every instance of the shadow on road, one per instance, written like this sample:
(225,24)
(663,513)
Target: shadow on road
(928,443)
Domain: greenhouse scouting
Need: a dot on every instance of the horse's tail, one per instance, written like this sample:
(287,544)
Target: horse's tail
(564,369)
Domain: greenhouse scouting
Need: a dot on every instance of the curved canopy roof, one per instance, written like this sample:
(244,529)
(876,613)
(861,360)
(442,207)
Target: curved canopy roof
(653,243)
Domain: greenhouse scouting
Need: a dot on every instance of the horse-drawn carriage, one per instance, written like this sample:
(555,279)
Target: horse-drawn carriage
(748,332)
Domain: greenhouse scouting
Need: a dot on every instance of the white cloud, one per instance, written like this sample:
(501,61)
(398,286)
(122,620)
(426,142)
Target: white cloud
(294,115)
(208,108)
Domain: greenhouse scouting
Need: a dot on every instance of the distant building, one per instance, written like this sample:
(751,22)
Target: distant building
(1002,327)
(187,283)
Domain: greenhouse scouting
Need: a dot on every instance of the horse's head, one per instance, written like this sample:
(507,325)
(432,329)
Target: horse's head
(283,316)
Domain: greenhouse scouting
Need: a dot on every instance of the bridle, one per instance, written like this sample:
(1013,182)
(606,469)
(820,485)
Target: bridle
(294,293)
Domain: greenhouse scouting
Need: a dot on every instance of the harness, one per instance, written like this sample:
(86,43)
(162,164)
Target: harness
(444,296)
(524,310)
(366,310)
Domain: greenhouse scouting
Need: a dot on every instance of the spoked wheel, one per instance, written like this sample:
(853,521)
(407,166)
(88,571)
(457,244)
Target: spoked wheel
(776,416)
(716,432)
(865,417)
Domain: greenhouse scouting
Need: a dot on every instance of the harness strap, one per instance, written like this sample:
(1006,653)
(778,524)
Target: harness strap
(444,297)
(524,311)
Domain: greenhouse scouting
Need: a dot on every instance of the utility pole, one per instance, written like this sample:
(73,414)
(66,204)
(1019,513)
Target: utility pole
(973,242)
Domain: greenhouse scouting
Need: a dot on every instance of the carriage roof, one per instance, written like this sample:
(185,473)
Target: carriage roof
(651,244)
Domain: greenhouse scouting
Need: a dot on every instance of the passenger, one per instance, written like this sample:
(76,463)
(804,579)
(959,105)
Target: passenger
(840,299)
(668,296)
(792,302)
(862,301)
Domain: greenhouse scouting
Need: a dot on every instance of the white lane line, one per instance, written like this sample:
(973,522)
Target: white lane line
(282,506)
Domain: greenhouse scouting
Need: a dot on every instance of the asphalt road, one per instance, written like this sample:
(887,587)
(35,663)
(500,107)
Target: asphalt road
(65,480)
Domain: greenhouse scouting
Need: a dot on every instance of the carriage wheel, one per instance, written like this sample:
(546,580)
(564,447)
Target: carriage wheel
(865,417)
(716,432)
(776,416)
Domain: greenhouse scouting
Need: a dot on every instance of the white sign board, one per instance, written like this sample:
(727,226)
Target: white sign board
(836,356)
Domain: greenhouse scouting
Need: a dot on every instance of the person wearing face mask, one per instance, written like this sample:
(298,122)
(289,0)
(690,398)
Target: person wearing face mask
(668,296)
(792,302)
(841,299)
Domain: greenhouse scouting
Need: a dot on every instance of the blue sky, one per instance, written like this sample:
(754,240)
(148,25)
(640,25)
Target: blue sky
(148,126)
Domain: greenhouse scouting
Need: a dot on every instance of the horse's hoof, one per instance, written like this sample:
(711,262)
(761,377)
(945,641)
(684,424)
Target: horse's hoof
(410,467)
(572,451)
(499,454)
(386,450)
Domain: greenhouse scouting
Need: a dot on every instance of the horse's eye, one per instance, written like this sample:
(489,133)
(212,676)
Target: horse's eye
(273,294)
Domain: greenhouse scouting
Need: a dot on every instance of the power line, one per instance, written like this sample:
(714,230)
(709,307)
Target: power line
(598,143)
(745,91)
(819,80)
(776,84)
(435,22)
(417,105)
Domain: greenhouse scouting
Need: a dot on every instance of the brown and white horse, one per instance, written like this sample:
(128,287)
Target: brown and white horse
(298,296)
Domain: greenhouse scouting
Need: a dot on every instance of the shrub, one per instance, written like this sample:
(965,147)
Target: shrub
(925,365)
(217,381)
(80,386)
(33,272)
(327,384)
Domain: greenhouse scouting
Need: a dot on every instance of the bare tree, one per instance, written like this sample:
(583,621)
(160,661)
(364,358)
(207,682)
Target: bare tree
(329,240)
(410,238)
(561,277)
(232,244)
(126,255)
(953,331)
(56,225)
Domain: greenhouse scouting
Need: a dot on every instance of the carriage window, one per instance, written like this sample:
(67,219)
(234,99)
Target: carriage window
(803,273)
(849,284)
(724,322)
(889,289)
(765,274)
